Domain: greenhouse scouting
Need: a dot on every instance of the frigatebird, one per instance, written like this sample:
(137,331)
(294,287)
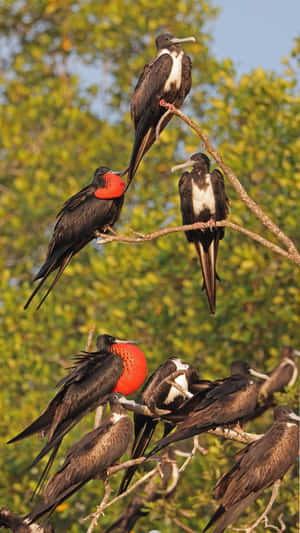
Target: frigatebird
(117,366)
(94,209)
(159,487)
(161,396)
(19,524)
(256,468)
(203,199)
(88,459)
(283,375)
(228,402)
(167,77)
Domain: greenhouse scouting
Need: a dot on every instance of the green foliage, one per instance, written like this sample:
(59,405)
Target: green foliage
(52,140)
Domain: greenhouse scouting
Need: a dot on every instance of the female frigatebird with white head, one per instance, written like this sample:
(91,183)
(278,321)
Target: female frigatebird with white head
(164,392)
(94,209)
(256,468)
(88,459)
(203,199)
(116,366)
(167,77)
(228,401)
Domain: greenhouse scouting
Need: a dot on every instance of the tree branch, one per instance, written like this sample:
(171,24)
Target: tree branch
(266,511)
(253,206)
(105,239)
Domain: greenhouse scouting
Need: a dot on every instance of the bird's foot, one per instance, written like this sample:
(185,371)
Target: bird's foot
(238,429)
(169,106)
(212,223)
(201,225)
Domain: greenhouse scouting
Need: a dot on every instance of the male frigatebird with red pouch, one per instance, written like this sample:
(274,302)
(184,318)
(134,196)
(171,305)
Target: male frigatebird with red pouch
(256,468)
(88,459)
(94,209)
(203,199)
(167,77)
(164,392)
(116,366)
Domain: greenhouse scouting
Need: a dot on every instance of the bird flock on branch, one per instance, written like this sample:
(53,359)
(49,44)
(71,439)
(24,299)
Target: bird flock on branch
(174,396)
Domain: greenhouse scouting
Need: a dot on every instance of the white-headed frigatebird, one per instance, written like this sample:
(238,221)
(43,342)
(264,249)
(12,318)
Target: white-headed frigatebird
(256,468)
(88,459)
(116,366)
(158,487)
(203,199)
(229,401)
(94,209)
(19,524)
(167,77)
(160,395)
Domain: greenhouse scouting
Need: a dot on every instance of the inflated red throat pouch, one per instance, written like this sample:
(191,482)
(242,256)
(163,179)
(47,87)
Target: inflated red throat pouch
(113,188)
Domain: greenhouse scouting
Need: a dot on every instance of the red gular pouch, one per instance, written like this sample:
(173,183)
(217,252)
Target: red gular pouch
(113,187)
(135,367)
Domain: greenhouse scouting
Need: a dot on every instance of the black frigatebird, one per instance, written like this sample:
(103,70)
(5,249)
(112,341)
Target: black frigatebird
(117,366)
(228,402)
(256,468)
(88,459)
(203,199)
(94,209)
(19,524)
(167,77)
(160,395)
(161,486)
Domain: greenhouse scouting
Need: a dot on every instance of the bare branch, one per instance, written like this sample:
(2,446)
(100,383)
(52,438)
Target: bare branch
(232,434)
(196,448)
(90,338)
(263,517)
(182,526)
(105,239)
(253,206)
(100,508)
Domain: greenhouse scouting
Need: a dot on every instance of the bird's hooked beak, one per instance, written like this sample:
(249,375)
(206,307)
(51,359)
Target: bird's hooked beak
(184,40)
(259,374)
(293,416)
(119,341)
(186,164)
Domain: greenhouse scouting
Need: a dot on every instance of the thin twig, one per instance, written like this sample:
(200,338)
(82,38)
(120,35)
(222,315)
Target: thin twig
(253,206)
(238,436)
(266,511)
(100,508)
(105,238)
(90,338)
(182,526)
(191,455)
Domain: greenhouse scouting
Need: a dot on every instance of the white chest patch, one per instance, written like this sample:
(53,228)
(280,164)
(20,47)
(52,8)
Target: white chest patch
(203,198)
(116,417)
(175,74)
(181,381)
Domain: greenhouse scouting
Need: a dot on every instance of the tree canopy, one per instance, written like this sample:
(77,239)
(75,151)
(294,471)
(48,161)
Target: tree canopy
(57,127)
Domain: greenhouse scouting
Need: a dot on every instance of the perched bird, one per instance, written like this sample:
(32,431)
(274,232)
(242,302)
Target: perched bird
(117,366)
(161,396)
(203,199)
(88,459)
(228,402)
(256,468)
(283,375)
(159,487)
(167,77)
(93,209)
(19,524)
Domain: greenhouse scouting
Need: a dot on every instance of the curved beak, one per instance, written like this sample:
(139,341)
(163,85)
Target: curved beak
(258,374)
(293,416)
(188,163)
(184,40)
(119,341)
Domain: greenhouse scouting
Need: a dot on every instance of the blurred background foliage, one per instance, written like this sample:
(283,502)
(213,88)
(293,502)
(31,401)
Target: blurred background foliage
(57,126)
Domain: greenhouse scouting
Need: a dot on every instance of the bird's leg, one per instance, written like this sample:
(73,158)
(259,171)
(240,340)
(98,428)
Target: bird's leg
(163,103)
(212,223)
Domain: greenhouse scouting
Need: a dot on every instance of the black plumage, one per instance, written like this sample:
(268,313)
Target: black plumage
(167,77)
(159,395)
(228,401)
(19,524)
(88,459)
(256,468)
(93,209)
(203,199)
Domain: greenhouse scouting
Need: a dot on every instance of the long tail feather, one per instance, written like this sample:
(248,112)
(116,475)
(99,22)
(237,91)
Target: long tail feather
(38,286)
(45,472)
(139,149)
(59,273)
(208,265)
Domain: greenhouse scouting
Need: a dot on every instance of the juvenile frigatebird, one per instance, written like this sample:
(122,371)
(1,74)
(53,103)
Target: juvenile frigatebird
(161,396)
(117,366)
(158,487)
(203,199)
(94,209)
(167,77)
(228,402)
(256,468)
(88,459)
(19,524)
